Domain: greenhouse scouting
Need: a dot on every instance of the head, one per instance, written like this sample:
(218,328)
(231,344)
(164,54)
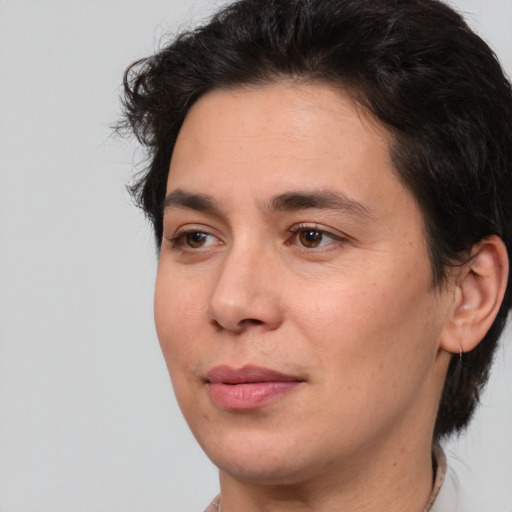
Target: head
(414,68)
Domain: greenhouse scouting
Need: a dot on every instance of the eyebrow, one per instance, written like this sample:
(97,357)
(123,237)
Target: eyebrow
(323,199)
(181,199)
(289,201)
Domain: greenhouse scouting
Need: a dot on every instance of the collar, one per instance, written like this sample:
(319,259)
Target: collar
(440,467)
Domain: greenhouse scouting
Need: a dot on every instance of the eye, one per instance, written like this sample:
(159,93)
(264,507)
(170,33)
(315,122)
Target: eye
(193,240)
(311,237)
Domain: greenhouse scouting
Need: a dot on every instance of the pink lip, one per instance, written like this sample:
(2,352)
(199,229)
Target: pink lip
(247,388)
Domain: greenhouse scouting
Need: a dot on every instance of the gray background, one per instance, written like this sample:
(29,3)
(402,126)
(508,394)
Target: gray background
(87,417)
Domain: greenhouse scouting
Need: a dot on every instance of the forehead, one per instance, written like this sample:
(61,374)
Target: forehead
(279,126)
(308,119)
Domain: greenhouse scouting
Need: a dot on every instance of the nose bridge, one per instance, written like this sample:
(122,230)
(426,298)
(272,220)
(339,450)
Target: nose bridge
(243,293)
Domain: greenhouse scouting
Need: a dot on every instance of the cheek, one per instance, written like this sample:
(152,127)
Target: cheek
(373,352)
(179,314)
(373,328)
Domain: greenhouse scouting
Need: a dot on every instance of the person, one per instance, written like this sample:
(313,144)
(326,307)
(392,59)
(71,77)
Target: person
(329,183)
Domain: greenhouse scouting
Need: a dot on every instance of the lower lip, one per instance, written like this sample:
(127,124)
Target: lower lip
(246,396)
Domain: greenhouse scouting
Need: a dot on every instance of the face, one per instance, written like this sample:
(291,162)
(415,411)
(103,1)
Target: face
(294,301)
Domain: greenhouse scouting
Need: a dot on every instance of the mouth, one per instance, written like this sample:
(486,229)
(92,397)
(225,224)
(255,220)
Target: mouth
(249,387)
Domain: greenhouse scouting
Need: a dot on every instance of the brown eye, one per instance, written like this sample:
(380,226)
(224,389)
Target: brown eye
(196,239)
(310,238)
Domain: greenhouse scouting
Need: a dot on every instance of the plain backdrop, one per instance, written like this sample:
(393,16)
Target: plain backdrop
(88,421)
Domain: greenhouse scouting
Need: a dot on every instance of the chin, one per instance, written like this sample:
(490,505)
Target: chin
(261,459)
(264,469)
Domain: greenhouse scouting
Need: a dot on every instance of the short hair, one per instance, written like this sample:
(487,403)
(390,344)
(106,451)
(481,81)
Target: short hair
(415,65)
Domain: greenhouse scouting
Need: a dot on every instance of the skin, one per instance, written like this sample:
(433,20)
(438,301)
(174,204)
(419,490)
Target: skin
(339,295)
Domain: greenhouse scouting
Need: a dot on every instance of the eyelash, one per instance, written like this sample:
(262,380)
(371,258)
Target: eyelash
(300,228)
(179,240)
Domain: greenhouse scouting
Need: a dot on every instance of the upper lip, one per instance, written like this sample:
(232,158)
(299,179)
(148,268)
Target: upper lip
(247,374)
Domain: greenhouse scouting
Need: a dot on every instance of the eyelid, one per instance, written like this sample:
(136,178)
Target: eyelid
(176,241)
(338,236)
(315,226)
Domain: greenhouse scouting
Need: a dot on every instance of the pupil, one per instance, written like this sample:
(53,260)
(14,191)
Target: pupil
(311,237)
(196,239)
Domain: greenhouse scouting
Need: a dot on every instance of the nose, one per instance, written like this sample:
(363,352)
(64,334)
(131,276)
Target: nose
(245,294)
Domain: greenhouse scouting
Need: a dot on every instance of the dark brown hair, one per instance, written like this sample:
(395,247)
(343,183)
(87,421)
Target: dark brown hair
(415,65)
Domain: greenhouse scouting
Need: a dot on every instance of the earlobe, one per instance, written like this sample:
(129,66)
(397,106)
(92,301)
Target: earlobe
(480,288)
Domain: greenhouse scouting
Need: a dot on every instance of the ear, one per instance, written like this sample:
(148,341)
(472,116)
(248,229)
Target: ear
(480,287)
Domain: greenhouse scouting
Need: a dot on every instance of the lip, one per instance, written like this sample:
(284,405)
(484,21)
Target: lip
(249,387)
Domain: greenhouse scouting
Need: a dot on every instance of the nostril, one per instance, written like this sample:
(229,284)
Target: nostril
(252,321)
(216,325)
(240,326)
